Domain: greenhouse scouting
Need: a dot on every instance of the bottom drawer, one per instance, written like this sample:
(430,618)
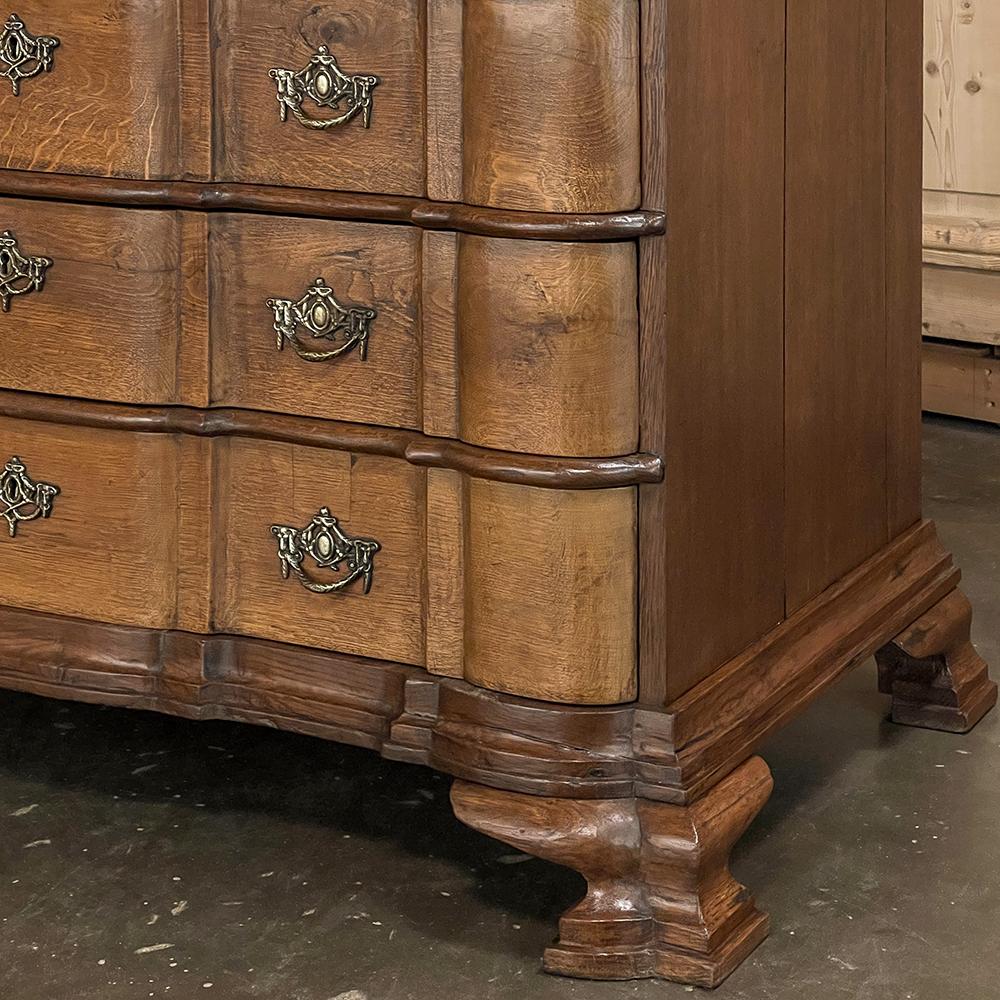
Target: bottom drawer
(105,545)
(520,589)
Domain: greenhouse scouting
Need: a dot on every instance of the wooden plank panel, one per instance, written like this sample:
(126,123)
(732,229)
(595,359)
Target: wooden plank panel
(835,350)
(962,99)
(712,343)
(447,515)
(962,304)
(903,235)
(444,99)
(961,381)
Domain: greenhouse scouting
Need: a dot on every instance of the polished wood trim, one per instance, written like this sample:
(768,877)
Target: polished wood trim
(231,197)
(716,725)
(418,449)
(517,744)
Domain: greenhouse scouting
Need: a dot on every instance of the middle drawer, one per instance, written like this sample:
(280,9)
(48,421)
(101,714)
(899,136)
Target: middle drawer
(519,345)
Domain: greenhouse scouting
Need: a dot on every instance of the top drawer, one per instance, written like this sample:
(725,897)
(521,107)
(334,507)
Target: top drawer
(325,95)
(512,104)
(96,88)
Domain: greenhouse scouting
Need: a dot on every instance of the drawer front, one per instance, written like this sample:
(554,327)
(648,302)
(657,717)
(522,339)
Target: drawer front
(375,500)
(92,301)
(317,318)
(326,95)
(104,100)
(104,547)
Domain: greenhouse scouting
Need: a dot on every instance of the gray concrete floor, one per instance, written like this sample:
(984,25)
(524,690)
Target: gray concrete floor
(142,856)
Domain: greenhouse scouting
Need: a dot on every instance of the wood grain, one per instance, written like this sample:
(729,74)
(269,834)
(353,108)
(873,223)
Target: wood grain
(963,381)
(835,309)
(439,318)
(108,552)
(255,258)
(564,136)
(373,497)
(525,470)
(110,104)
(550,594)
(445,114)
(548,346)
(935,676)
(215,197)
(106,322)
(447,519)
(902,273)
(961,304)
(712,348)
(961,102)
(252,144)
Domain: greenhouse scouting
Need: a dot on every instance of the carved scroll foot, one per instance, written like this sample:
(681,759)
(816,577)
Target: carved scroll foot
(935,676)
(660,899)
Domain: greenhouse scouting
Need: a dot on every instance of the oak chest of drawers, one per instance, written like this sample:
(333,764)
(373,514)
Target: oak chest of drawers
(526,388)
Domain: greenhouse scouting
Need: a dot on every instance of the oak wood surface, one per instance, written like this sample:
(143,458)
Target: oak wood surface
(105,324)
(111,102)
(257,258)
(108,551)
(660,898)
(902,274)
(548,346)
(261,484)
(214,197)
(253,144)
(835,311)
(712,365)
(525,470)
(551,98)
(550,593)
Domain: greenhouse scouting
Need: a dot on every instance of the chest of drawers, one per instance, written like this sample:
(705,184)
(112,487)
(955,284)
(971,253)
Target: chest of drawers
(524,388)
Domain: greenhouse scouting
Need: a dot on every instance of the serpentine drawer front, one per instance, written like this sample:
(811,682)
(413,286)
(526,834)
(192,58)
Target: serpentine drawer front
(105,100)
(325,547)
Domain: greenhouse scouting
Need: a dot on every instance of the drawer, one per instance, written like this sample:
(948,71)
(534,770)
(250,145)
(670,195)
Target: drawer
(109,100)
(520,589)
(520,345)
(105,546)
(353,80)
(341,336)
(100,303)
(372,498)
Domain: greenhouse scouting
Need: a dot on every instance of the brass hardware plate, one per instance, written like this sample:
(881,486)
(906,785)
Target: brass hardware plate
(319,312)
(327,545)
(22,499)
(22,55)
(327,86)
(19,274)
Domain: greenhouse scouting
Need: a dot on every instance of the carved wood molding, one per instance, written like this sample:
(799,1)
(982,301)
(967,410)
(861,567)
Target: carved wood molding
(673,755)
(417,449)
(420,212)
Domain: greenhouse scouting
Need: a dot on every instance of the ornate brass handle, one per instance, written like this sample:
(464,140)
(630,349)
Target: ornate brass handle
(21,499)
(327,86)
(23,56)
(19,274)
(325,542)
(325,319)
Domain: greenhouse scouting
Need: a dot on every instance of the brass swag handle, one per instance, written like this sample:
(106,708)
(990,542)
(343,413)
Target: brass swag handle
(21,499)
(319,312)
(19,274)
(325,542)
(327,86)
(22,55)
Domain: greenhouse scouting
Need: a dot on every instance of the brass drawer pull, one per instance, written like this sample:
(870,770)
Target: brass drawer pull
(329,547)
(19,274)
(23,56)
(325,319)
(327,86)
(21,499)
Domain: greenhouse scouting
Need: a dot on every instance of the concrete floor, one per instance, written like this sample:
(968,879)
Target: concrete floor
(142,856)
